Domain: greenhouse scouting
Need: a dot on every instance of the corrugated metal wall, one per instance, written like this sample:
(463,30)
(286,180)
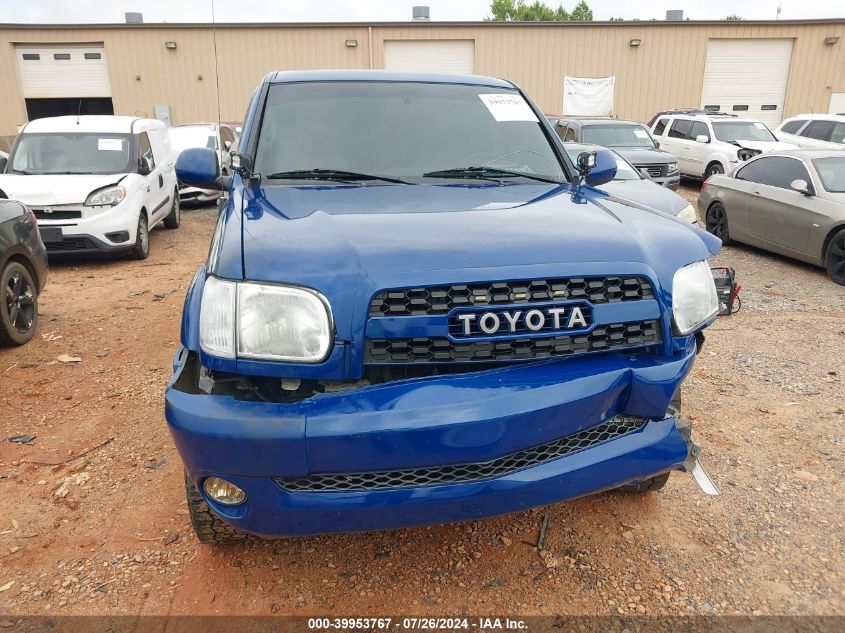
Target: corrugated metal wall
(666,70)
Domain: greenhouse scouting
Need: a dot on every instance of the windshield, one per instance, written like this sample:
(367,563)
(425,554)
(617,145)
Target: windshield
(401,130)
(832,173)
(188,136)
(730,131)
(624,170)
(72,154)
(622,135)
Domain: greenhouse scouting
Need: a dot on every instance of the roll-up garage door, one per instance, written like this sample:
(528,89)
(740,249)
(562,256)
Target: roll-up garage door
(434,56)
(747,77)
(63,71)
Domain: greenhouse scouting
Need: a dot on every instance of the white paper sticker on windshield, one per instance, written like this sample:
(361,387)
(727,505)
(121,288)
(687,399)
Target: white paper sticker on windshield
(640,133)
(760,126)
(110,144)
(511,107)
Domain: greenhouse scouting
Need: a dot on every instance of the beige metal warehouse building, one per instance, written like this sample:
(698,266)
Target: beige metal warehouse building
(769,70)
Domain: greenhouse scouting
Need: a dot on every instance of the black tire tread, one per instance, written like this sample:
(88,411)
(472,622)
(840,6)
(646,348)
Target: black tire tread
(137,252)
(834,238)
(654,484)
(208,527)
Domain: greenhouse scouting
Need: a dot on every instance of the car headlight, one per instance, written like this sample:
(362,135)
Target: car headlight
(671,168)
(694,300)
(687,214)
(108,197)
(262,321)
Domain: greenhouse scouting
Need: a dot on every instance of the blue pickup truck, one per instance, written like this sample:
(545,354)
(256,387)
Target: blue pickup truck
(416,310)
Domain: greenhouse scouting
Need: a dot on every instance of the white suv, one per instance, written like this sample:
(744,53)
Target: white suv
(95,183)
(814,131)
(708,144)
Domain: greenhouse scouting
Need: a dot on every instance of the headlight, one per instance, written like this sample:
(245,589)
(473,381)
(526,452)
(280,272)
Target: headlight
(108,197)
(688,214)
(671,168)
(694,299)
(217,317)
(263,321)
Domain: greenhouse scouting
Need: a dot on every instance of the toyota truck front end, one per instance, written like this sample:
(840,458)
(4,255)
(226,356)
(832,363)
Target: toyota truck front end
(415,311)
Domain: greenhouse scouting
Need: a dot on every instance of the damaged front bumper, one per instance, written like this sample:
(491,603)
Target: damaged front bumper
(437,449)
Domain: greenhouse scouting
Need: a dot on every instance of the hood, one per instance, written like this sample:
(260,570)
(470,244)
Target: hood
(640,156)
(767,146)
(348,242)
(647,193)
(49,190)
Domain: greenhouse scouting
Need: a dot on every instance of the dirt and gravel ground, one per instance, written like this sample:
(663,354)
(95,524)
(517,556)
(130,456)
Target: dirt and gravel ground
(108,533)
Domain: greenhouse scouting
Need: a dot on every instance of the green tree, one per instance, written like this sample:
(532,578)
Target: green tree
(518,11)
(733,17)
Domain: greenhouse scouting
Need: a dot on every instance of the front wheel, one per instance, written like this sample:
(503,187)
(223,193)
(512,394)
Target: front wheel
(713,169)
(20,305)
(141,250)
(175,216)
(835,258)
(716,222)
(208,527)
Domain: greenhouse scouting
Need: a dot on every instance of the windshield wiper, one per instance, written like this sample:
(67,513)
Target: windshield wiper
(331,174)
(486,173)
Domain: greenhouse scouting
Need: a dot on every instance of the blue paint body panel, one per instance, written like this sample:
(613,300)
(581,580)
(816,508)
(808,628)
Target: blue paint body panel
(351,241)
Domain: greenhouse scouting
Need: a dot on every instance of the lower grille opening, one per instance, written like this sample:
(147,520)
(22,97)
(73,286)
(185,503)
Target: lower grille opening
(71,244)
(462,473)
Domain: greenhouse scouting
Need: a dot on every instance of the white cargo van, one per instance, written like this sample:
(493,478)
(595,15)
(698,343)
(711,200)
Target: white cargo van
(95,183)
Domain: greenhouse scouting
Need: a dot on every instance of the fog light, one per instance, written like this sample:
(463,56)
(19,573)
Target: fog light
(223,492)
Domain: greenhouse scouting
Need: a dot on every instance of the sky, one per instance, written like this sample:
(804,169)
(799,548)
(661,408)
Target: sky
(88,11)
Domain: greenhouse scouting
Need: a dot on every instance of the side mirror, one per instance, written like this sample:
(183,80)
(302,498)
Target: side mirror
(144,167)
(198,167)
(702,138)
(801,186)
(657,143)
(3,161)
(597,168)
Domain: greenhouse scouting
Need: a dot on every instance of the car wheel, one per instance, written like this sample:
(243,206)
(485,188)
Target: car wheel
(175,216)
(208,527)
(20,305)
(835,258)
(717,222)
(141,250)
(713,169)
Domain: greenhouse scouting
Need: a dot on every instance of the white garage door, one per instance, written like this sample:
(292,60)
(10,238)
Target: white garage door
(433,56)
(747,77)
(58,71)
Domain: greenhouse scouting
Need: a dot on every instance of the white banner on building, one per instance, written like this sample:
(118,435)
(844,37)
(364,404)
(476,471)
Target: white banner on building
(588,96)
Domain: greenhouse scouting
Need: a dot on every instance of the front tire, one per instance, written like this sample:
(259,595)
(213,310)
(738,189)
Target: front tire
(141,250)
(208,527)
(19,315)
(714,169)
(174,218)
(716,222)
(834,258)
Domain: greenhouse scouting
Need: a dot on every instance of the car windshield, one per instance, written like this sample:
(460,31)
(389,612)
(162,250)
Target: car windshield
(624,170)
(188,136)
(401,130)
(72,154)
(730,131)
(832,173)
(622,135)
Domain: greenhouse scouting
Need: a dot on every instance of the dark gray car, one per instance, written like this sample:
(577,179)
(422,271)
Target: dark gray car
(792,203)
(632,140)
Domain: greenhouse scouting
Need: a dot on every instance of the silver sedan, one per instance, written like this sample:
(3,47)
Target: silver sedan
(792,203)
